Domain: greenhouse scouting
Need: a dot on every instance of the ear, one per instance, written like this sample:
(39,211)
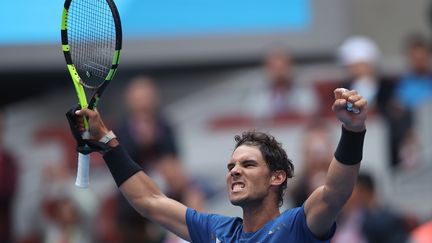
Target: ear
(278,177)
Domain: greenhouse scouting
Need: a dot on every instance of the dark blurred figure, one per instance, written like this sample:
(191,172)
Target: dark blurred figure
(415,86)
(8,187)
(317,151)
(365,220)
(413,90)
(282,93)
(149,138)
(144,131)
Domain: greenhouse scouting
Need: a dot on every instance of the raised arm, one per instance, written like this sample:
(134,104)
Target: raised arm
(139,189)
(325,203)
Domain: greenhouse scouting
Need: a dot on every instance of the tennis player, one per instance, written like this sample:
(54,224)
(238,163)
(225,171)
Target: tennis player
(256,178)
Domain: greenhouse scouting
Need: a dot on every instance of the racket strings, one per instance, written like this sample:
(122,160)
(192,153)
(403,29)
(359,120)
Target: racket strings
(92,39)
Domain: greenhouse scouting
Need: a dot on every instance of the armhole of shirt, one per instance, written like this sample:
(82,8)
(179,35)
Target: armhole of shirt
(198,225)
(327,237)
(189,223)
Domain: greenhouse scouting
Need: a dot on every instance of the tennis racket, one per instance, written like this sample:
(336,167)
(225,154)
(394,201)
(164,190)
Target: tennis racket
(91,39)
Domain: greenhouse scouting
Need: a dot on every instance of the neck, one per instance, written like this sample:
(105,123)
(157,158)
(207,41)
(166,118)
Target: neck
(421,70)
(255,216)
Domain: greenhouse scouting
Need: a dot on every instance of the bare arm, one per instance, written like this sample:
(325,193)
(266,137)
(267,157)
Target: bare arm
(145,196)
(325,203)
(139,189)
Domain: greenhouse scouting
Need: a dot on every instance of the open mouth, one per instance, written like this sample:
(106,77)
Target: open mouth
(237,186)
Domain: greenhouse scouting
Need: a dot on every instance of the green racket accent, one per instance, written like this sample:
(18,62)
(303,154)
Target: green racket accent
(116,57)
(65,47)
(115,62)
(64,19)
(111,74)
(79,90)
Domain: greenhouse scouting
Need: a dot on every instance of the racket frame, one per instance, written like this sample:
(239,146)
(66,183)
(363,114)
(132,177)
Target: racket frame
(82,179)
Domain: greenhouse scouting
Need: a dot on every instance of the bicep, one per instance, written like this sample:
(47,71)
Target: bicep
(171,215)
(325,203)
(320,216)
(144,195)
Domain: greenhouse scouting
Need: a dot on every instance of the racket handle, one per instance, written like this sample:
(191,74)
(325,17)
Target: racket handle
(350,107)
(83,171)
(83,178)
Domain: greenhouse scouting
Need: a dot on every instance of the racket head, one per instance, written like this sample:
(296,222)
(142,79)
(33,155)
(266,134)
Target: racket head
(91,38)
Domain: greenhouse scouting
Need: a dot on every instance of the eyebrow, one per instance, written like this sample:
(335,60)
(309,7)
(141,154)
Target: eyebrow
(247,161)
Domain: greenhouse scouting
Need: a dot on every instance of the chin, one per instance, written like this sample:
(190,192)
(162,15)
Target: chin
(237,201)
(245,201)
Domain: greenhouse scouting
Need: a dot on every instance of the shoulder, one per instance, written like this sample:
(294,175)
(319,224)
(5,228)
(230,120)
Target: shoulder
(205,227)
(295,220)
(212,220)
(292,215)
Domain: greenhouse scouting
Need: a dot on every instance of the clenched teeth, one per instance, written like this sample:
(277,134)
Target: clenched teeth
(238,186)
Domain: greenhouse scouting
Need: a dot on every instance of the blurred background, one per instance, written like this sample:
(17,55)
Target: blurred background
(195,73)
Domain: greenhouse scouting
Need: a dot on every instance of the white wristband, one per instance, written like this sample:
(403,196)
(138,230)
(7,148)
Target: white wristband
(108,137)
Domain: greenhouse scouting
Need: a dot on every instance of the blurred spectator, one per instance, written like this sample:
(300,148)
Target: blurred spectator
(413,90)
(64,219)
(282,93)
(149,139)
(64,213)
(365,220)
(8,186)
(415,86)
(317,152)
(360,55)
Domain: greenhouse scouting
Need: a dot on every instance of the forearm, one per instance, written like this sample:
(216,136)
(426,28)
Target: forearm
(344,168)
(325,203)
(143,193)
(339,184)
(137,187)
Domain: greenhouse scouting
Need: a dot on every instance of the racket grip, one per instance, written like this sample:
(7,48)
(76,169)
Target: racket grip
(350,107)
(83,171)
(82,178)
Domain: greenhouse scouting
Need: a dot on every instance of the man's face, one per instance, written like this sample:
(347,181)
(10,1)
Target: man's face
(141,97)
(248,177)
(278,67)
(361,69)
(419,58)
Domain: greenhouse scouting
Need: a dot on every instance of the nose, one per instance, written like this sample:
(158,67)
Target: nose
(235,172)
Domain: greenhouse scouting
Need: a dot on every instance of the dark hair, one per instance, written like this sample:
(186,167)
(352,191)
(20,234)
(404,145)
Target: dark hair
(417,40)
(272,152)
